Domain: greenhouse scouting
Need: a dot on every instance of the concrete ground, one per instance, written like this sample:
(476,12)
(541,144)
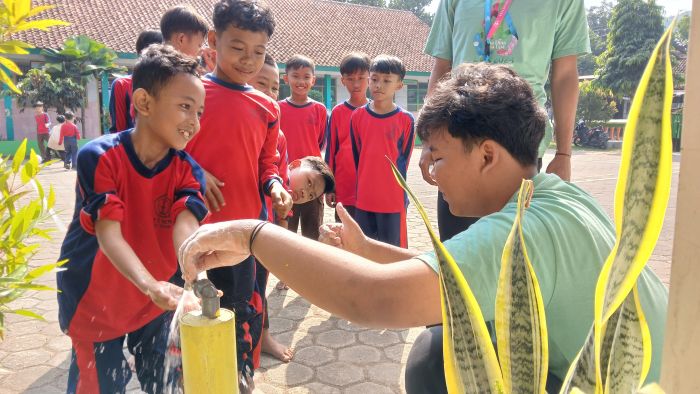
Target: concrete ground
(332,355)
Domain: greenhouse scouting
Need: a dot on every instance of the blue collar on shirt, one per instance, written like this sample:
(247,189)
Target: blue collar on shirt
(141,168)
(380,116)
(234,86)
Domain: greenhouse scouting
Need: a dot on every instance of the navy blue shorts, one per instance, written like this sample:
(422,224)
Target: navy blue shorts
(100,367)
(385,227)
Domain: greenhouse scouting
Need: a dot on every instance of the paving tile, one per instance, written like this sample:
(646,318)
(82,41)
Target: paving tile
(379,338)
(313,356)
(359,354)
(291,374)
(335,339)
(367,388)
(339,373)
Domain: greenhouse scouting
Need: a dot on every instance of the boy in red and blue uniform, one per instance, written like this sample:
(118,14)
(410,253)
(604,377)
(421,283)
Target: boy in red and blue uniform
(304,124)
(378,130)
(237,147)
(138,198)
(354,71)
(120,110)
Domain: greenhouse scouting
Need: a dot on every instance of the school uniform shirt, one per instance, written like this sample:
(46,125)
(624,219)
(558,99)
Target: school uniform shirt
(339,153)
(96,302)
(120,104)
(375,137)
(68,130)
(305,128)
(282,165)
(531,35)
(237,143)
(41,121)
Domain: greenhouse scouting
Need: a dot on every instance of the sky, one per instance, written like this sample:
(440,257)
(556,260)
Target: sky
(672,6)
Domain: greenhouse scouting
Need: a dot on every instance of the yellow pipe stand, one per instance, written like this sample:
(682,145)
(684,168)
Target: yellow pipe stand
(209,353)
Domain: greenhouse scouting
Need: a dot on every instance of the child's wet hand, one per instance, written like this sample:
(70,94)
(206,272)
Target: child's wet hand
(165,294)
(215,199)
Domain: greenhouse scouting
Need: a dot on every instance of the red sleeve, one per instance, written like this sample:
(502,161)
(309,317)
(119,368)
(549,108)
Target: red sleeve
(63,134)
(322,119)
(120,105)
(190,189)
(284,161)
(355,138)
(267,161)
(98,188)
(331,136)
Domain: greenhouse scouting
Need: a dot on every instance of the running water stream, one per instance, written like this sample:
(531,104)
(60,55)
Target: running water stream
(173,357)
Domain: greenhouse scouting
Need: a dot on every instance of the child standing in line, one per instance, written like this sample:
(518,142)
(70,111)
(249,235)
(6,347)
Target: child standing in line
(54,137)
(69,139)
(304,123)
(354,71)
(42,128)
(237,147)
(120,108)
(140,198)
(379,130)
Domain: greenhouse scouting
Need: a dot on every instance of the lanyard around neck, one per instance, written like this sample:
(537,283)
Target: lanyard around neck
(491,29)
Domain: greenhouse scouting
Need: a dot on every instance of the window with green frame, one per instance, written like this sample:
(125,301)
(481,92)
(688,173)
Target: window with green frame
(316,92)
(416,92)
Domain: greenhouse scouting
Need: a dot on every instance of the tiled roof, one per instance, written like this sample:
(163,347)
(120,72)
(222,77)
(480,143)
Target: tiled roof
(322,29)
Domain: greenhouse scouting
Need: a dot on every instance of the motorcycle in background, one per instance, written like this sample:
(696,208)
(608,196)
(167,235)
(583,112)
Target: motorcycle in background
(590,137)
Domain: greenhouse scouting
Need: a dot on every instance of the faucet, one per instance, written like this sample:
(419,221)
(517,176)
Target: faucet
(205,290)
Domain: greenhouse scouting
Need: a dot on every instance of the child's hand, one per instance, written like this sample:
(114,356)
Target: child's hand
(281,200)
(284,223)
(215,199)
(209,58)
(425,161)
(165,294)
(330,199)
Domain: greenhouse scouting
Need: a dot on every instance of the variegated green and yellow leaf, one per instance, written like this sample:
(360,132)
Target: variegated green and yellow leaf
(642,191)
(627,363)
(471,365)
(521,327)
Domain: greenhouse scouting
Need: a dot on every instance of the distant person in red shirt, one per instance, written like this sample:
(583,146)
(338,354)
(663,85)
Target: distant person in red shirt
(237,147)
(354,71)
(304,124)
(69,139)
(140,197)
(42,128)
(379,130)
(120,110)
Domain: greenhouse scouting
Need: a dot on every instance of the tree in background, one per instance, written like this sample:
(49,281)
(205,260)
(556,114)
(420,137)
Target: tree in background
(61,93)
(635,27)
(80,59)
(596,105)
(598,18)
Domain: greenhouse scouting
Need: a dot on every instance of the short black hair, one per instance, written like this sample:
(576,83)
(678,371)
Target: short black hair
(148,37)
(157,65)
(387,64)
(320,166)
(269,60)
(69,115)
(354,62)
(38,104)
(251,15)
(182,19)
(299,61)
(60,118)
(480,101)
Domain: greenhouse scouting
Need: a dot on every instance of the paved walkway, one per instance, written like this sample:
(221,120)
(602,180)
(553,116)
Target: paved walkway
(333,356)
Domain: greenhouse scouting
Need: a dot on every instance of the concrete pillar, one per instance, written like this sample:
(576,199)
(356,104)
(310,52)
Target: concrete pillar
(681,355)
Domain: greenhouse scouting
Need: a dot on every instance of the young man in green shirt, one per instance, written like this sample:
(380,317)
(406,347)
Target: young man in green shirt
(482,124)
(529,35)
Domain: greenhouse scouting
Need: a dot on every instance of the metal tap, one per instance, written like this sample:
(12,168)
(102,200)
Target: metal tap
(205,290)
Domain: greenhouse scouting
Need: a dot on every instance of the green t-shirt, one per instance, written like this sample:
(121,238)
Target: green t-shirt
(534,33)
(568,237)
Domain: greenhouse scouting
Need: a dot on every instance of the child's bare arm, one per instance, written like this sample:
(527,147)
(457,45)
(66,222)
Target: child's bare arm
(185,225)
(125,260)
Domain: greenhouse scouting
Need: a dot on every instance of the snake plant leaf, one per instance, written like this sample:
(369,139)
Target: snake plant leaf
(471,365)
(521,327)
(627,363)
(651,389)
(642,192)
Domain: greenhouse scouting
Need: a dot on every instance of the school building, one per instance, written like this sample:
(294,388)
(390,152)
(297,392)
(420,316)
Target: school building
(321,29)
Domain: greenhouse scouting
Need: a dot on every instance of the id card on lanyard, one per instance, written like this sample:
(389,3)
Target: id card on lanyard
(483,44)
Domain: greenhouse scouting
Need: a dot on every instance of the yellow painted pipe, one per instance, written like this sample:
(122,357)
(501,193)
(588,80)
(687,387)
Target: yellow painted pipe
(209,353)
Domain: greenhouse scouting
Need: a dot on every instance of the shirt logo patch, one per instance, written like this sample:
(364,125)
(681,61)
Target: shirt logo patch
(162,209)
